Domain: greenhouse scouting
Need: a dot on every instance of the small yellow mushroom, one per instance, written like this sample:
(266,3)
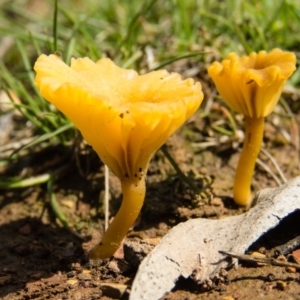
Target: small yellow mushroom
(251,85)
(124,116)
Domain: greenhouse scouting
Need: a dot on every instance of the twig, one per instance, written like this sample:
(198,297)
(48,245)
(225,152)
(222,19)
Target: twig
(288,247)
(106,195)
(264,260)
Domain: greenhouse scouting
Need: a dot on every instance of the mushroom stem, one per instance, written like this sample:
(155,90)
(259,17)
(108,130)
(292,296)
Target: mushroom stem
(252,143)
(133,198)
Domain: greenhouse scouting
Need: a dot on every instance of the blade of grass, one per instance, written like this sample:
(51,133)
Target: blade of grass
(57,210)
(17,183)
(222,130)
(44,137)
(169,61)
(55,26)
(54,204)
(178,170)
(35,43)
(133,28)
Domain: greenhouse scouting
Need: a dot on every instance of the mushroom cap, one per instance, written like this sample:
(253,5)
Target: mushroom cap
(124,116)
(252,85)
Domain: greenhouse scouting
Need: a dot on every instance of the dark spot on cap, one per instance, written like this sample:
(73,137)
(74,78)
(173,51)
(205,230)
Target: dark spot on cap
(121,115)
(126,175)
(140,169)
(135,175)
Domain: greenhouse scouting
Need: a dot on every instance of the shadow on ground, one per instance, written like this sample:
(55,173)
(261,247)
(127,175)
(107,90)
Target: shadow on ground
(31,250)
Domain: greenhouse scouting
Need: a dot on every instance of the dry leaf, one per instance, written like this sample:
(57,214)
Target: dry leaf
(195,244)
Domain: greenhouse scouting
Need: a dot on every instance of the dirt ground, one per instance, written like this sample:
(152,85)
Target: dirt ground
(39,259)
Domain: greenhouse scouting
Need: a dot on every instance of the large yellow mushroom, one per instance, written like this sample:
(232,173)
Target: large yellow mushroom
(124,116)
(251,85)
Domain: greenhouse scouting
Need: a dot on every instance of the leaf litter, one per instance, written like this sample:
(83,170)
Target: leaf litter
(197,243)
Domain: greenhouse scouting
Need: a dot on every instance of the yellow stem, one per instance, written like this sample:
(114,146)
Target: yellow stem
(133,198)
(244,172)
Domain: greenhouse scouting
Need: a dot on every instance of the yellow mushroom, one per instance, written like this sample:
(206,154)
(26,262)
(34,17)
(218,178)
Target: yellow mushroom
(251,85)
(124,116)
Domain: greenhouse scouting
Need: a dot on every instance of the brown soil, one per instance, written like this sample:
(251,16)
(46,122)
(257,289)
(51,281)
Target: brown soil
(39,259)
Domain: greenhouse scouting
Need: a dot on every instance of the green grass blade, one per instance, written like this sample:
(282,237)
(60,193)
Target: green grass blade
(169,61)
(44,137)
(54,204)
(55,26)
(17,183)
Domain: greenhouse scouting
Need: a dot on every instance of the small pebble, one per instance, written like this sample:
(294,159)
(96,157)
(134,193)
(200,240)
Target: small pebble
(71,274)
(68,203)
(113,290)
(25,230)
(34,287)
(85,284)
(135,252)
(281,285)
(282,258)
(196,275)
(113,266)
(296,256)
(291,270)
(72,281)
(237,295)
(262,250)
(187,197)
(271,277)
(84,276)
(76,267)
(77,295)
(216,202)
(96,283)
(228,298)
(5,279)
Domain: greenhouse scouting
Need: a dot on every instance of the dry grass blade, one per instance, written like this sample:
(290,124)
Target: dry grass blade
(272,159)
